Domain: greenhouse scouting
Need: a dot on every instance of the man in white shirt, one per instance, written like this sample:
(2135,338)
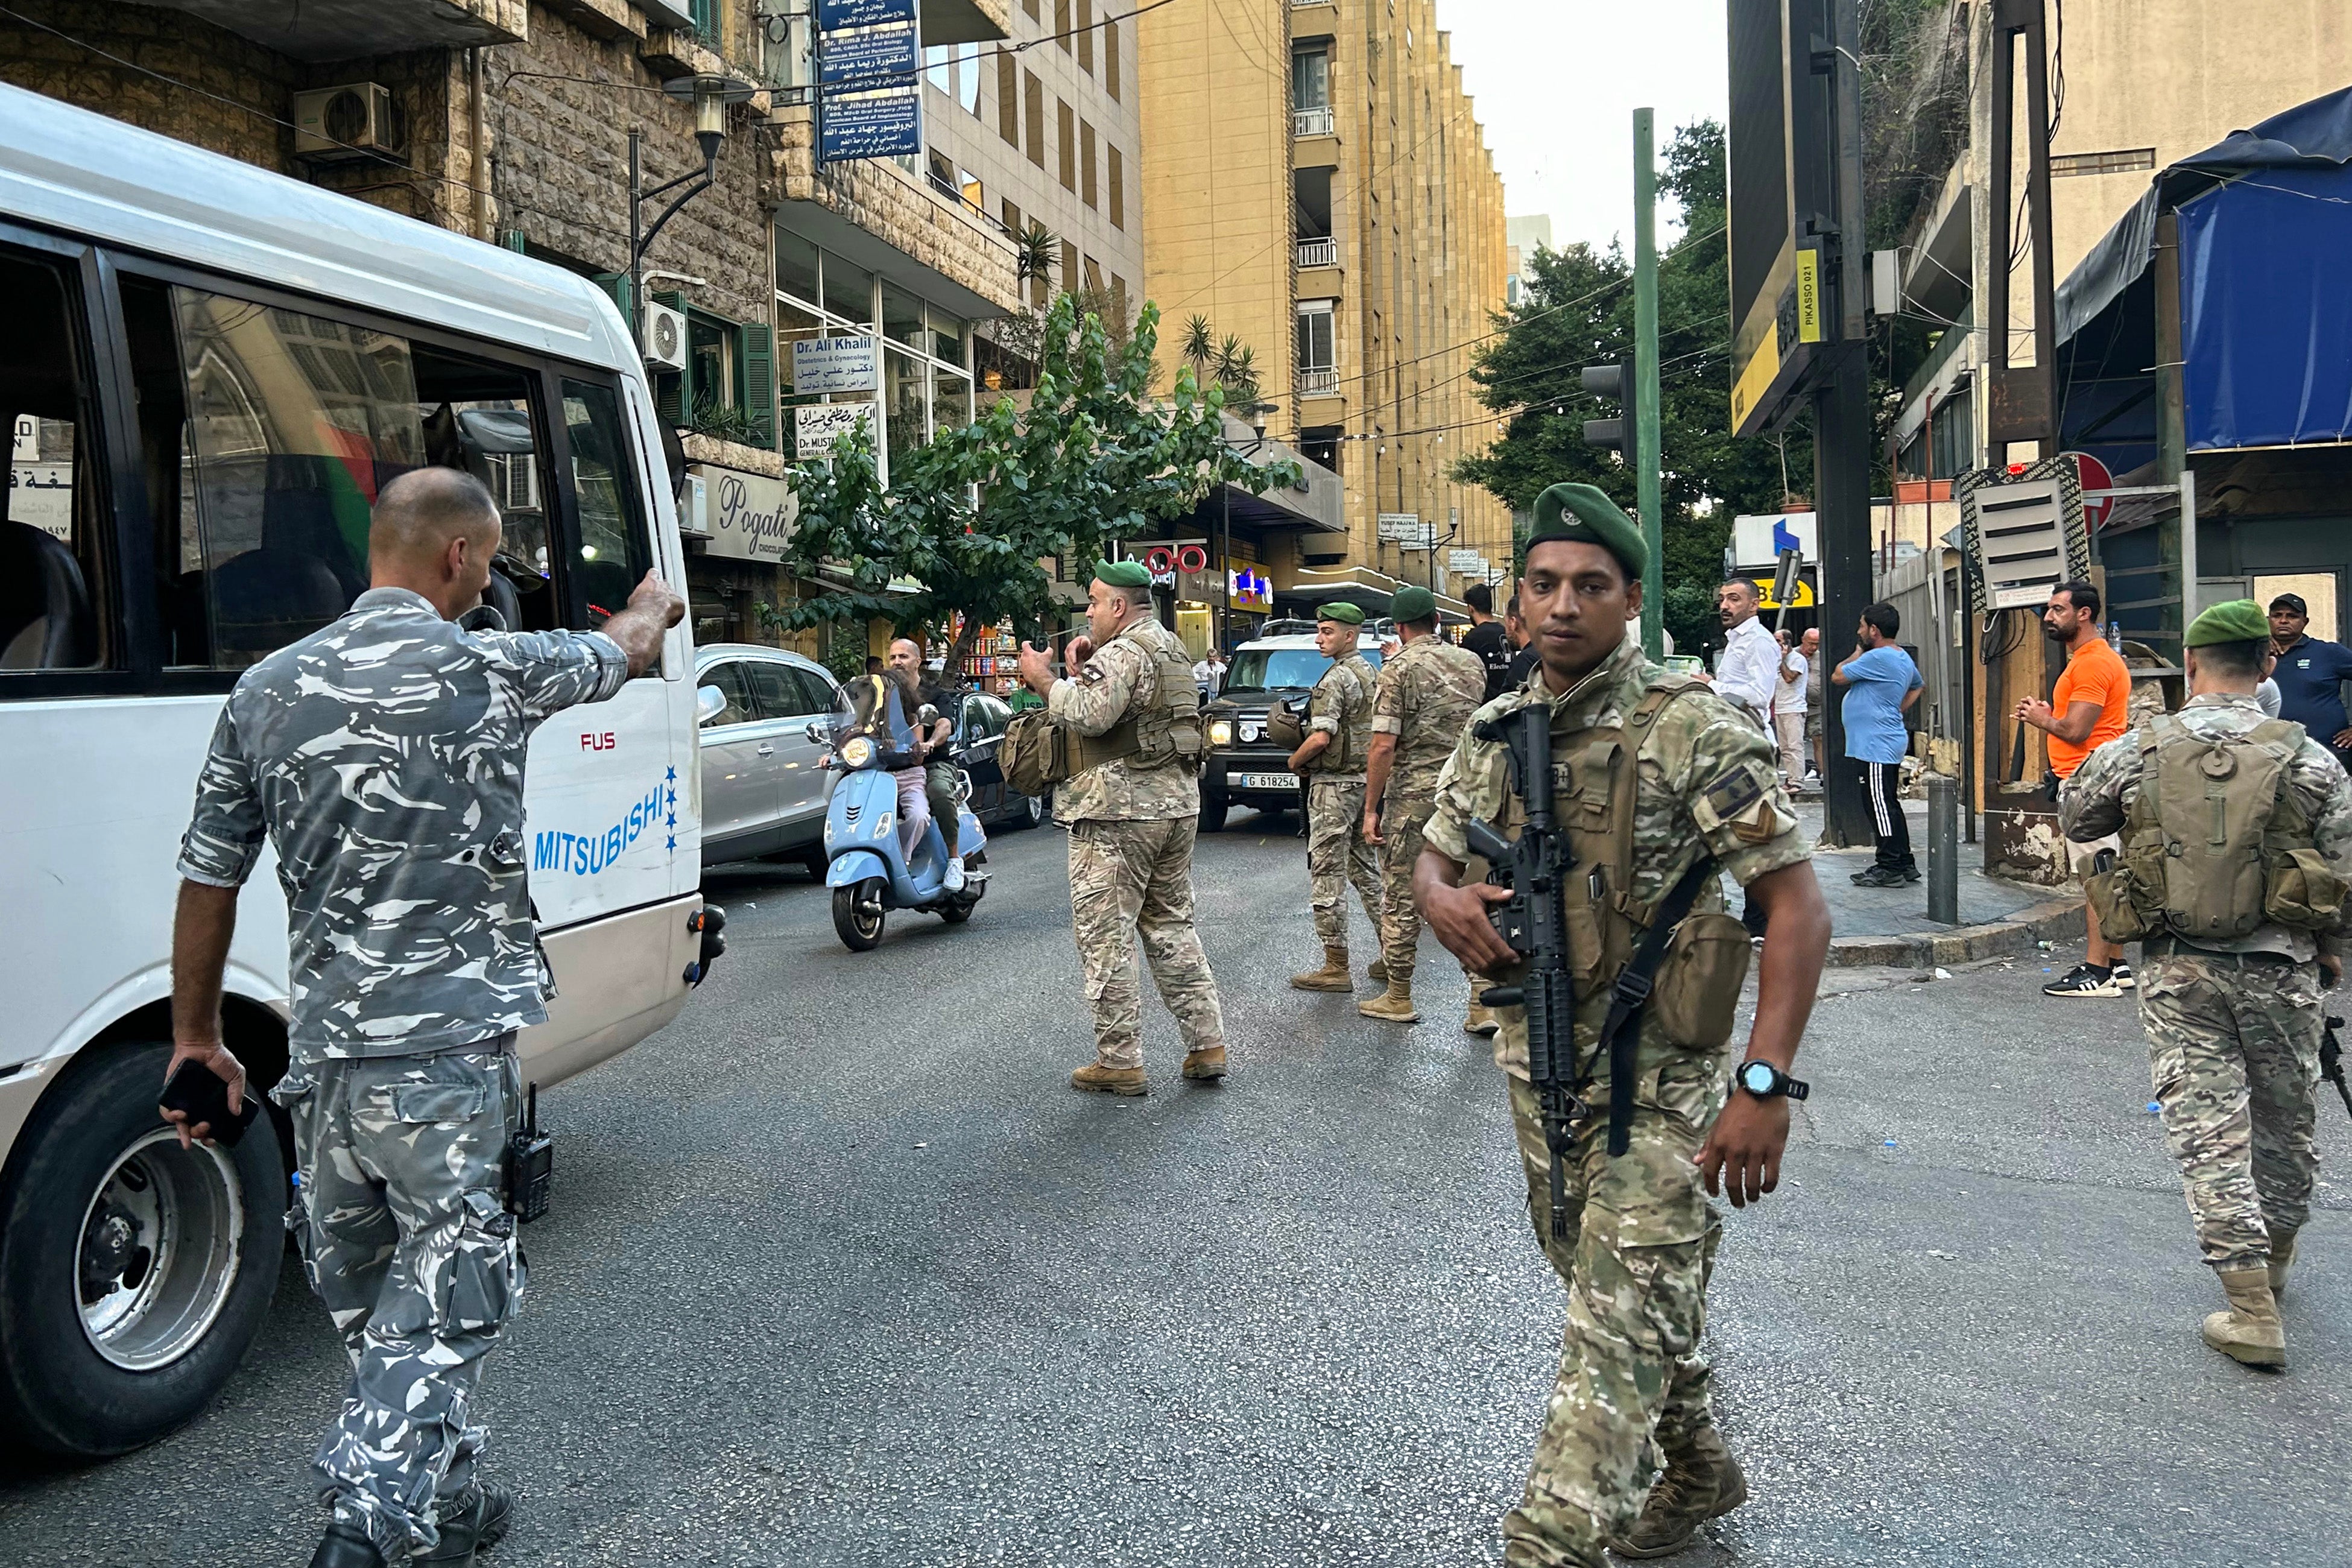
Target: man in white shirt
(1789,710)
(1209,675)
(1749,671)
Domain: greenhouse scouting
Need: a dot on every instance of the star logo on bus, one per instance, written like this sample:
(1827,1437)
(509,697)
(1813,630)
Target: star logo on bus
(669,775)
(672,844)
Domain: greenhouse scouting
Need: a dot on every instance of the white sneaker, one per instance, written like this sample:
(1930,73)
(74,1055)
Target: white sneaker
(953,879)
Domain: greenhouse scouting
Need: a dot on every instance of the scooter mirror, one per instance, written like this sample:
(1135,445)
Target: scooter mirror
(926,715)
(710,703)
(818,733)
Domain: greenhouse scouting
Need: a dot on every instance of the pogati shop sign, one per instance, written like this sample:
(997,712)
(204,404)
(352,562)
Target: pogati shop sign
(752,516)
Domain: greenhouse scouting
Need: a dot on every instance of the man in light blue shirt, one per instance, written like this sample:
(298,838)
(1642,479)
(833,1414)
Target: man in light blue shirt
(1881,684)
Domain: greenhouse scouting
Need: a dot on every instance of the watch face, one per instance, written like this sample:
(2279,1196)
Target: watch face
(1756,1077)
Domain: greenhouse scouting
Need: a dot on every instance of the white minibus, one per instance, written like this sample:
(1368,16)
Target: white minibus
(208,372)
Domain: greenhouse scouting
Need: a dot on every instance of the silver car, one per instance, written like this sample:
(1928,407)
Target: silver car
(762,792)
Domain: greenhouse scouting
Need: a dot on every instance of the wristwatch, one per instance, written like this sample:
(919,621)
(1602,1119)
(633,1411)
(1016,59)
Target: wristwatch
(1764,1080)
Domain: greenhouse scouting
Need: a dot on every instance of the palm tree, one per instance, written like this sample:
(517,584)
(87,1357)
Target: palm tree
(1199,348)
(1035,249)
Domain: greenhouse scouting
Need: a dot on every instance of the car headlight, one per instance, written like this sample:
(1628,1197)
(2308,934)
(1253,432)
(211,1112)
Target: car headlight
(857,751)
(1221,731)
(1249,733)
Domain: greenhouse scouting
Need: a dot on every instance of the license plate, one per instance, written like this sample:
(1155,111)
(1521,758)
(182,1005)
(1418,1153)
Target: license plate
(1266,781)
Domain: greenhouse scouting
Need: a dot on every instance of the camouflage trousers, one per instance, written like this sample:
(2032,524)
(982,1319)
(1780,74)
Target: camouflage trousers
(2233,1052)
(1338,855)
(1638,1246)
(402,1223)
(1131,880)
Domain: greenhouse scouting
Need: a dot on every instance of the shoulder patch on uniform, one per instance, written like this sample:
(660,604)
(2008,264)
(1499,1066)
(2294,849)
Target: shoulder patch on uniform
(1092,672)
(1734,793)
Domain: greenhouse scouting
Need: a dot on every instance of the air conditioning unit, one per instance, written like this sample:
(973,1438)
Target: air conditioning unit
(694,507)
(361,120)
(664,338)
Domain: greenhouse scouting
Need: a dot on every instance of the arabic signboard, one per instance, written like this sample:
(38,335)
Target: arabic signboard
(1468,563)
(834,365)
(1406,531)
(873,54)
(817,426)
(42,495)
(868,59)
(871,125)
(752,516)
(834,15)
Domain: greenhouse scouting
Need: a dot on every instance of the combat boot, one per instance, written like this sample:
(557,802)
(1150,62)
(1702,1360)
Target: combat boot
(2282,1254)
(1206,1063)
(1395,1004)
(473,1528)
(1335,974)
(1376,971)
(346,1546)
(2250,1332)
(1702,1482)
(1482,1021)
(1101,1080)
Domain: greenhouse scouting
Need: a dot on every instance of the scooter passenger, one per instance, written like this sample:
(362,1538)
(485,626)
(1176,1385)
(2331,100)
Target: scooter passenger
(883,708)
(932,743)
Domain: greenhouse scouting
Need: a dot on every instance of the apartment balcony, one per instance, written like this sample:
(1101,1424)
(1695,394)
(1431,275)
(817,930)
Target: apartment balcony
(1314,139)
(1314,18)
(1319,382)
(355,29)
(1316,121)
(1323,252)
(1319,275)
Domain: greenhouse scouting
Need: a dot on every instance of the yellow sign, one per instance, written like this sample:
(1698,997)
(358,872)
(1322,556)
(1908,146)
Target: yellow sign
(1802,600)
(1756,380)
(1808,296)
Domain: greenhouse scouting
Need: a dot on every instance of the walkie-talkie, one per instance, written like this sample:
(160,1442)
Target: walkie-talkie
(530,1164)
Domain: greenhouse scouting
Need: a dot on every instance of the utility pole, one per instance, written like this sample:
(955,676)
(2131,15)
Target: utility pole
(1646,458)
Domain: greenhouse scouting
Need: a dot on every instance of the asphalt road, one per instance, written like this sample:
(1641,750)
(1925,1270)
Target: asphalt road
(841,1272)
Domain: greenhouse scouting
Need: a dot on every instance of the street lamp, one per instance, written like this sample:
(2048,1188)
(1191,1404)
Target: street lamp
(710,94)
(1255,414)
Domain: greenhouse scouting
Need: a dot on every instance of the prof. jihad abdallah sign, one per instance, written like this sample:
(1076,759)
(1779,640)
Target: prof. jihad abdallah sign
(751,517)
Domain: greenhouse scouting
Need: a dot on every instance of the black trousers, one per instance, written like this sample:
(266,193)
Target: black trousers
(1883,783)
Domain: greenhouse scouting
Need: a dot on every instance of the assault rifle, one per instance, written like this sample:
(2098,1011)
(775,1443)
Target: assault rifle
(2331,1061)
(1535,923)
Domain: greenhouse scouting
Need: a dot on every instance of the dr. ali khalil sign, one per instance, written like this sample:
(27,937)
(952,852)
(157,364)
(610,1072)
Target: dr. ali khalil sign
(835,364)
(868,63)
(751,517)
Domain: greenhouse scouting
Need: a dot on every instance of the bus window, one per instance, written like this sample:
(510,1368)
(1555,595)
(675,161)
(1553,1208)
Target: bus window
(477,416)
(55,528)
(612,549)
(294,421)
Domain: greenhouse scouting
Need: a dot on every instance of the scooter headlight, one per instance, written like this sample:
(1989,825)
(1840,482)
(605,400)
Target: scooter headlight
(857,751)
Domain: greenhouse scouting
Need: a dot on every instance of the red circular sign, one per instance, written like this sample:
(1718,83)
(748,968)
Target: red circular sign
(1160,559)
(2095,476)
(1191,558)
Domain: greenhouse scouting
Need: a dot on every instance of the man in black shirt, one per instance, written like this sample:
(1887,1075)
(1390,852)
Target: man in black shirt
(1523,659)
(1485,637)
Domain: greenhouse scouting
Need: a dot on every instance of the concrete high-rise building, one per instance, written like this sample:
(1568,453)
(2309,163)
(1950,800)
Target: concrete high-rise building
(1317,184)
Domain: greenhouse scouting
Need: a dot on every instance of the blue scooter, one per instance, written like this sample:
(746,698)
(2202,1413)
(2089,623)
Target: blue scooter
(868,875)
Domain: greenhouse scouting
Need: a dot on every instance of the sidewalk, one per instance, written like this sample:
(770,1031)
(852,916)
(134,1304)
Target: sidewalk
(1890,925)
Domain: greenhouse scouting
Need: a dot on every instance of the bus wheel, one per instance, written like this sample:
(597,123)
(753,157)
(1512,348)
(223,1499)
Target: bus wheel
(133,1274)
(858,914)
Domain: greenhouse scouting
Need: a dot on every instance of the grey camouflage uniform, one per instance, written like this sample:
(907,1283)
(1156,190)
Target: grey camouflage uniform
(2233,1026)
(1337,854)
(1132,833)
(382,757)
(1641,1235)
(1425,695)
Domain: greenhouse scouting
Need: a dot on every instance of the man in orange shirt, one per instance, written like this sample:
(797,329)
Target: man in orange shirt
(2090,706)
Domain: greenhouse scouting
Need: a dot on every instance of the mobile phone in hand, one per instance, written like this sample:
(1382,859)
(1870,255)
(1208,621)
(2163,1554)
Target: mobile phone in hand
(202,1095)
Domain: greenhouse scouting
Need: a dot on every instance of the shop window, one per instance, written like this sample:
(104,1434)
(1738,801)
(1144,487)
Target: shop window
(54,534)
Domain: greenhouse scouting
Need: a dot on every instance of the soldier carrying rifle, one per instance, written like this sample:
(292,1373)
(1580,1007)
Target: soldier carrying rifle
(1612,822)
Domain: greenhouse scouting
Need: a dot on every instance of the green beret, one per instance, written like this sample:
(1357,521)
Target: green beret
(1413,604)
(1340,610)
(2233,620)
(1123,573)
(1582,513)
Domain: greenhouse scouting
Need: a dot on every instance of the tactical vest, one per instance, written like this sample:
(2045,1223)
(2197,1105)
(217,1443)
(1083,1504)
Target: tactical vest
(1341,756)
(1595,792)
(1168,732)
(2215,844)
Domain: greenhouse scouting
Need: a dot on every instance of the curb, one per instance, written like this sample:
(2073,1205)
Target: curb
(2054,922)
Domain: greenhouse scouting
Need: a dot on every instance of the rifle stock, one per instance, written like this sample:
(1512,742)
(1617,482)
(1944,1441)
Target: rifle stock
(2331,1062)
(1534,923)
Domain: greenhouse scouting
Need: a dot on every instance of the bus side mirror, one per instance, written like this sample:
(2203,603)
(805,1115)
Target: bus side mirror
(710,703)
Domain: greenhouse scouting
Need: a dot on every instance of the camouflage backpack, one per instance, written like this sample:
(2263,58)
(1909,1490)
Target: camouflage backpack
(2215,845)
(1034,753)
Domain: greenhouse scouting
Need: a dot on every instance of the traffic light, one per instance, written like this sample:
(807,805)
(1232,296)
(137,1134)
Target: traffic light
(1612,382)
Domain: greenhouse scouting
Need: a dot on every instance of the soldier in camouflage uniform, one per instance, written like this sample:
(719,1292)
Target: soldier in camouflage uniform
(1132,805)
(382,757)
(1639,1236)
(1331,759)
(1427,691)
(2235,1024)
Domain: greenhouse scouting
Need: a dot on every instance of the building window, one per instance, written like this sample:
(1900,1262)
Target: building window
(1030,6)
(1118,189)
(1318,368)
(1111,58)
(1311,92)
(1087,163)
(1068,123)
(2131,160)
(1008,99)
(937,61)
(1011,218)
(1093,277)
(1036,99)
(1118,297)
(1061,24)
(1086,36)
(1069,267)
(968,72)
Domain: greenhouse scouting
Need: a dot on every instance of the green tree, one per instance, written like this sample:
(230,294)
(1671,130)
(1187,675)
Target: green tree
(969,519)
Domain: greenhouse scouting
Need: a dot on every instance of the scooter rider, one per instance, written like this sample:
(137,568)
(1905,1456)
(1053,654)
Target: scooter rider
(883,706)
(931,746)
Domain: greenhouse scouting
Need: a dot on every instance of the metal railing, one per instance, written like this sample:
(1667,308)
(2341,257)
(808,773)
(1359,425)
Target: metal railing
(1322,252)
(1317,383)
(1311,122)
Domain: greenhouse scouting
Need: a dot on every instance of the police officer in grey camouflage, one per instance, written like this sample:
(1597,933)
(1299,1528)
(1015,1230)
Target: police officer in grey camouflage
(382,757)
